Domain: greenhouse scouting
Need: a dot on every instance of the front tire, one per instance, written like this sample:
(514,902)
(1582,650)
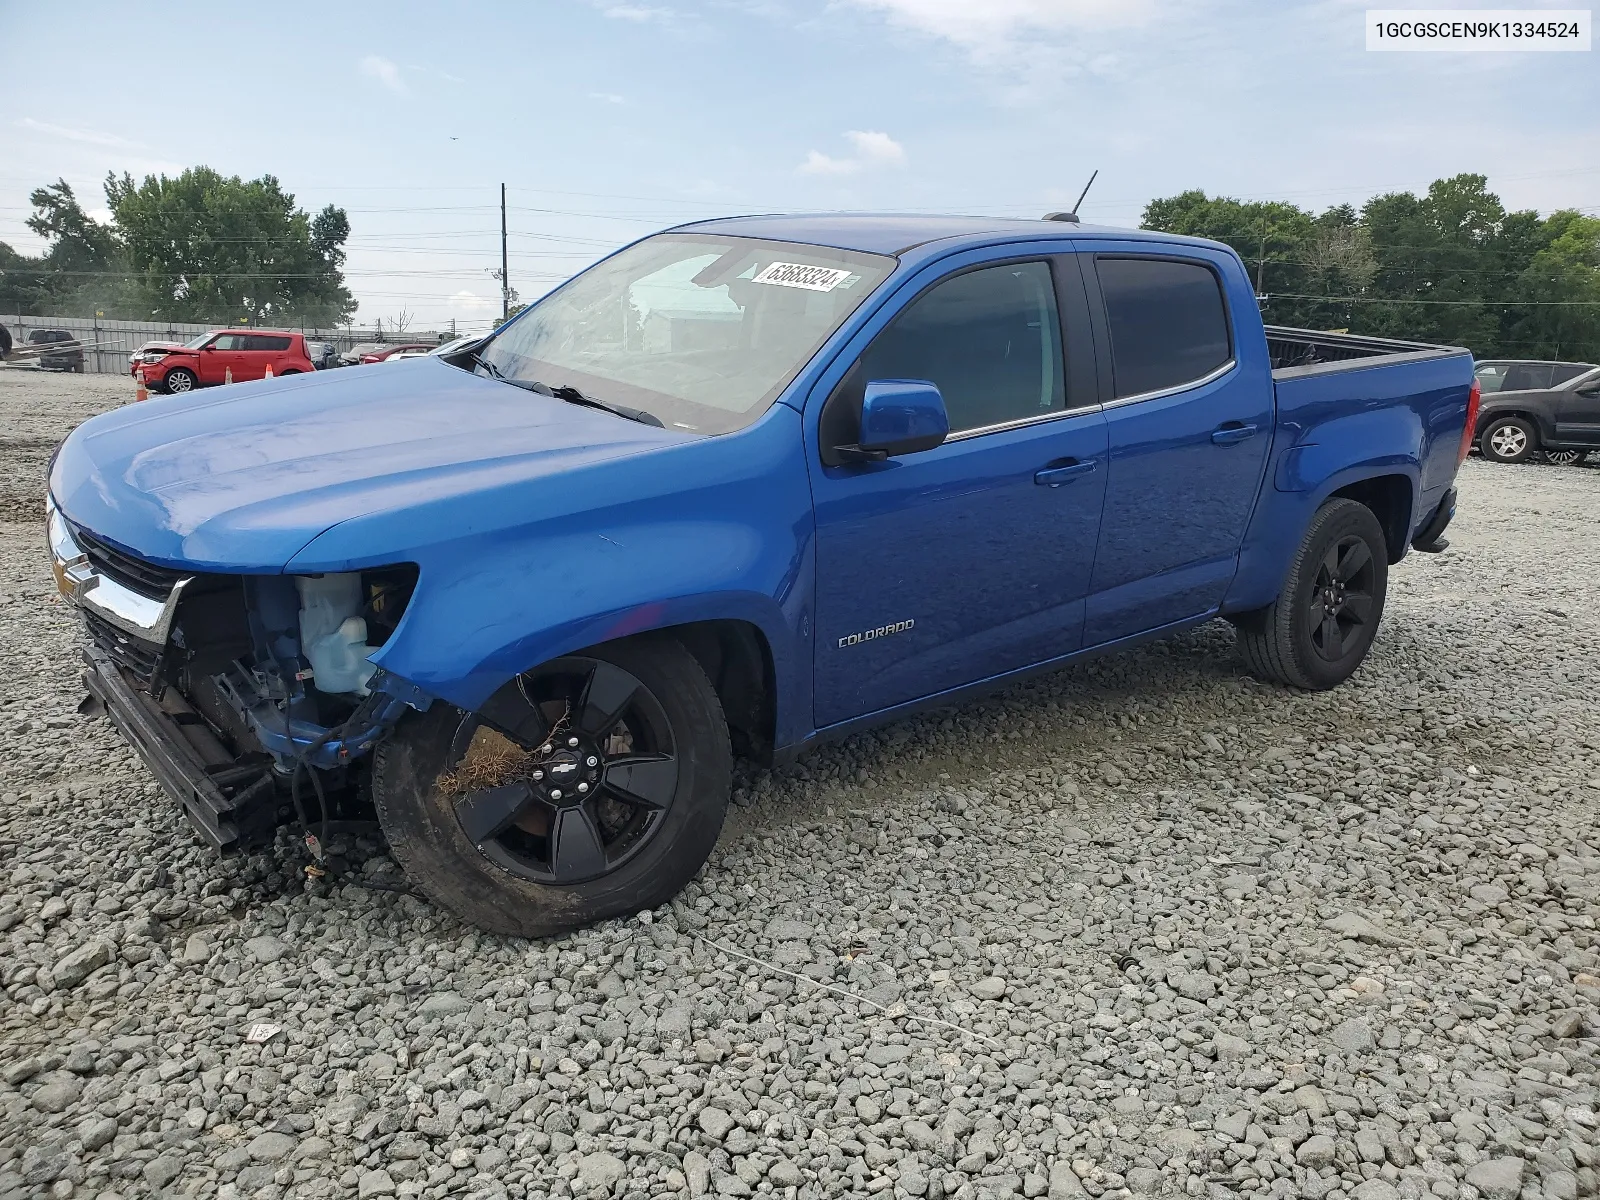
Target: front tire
(1509,440)
(177,381)
(1321,626)
(591,787)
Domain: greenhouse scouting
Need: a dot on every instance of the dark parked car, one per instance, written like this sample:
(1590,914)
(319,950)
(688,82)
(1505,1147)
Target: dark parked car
(68,358)
(323,355)
(1533,407)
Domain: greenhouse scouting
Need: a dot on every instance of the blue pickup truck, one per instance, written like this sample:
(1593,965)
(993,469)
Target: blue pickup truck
(741,486)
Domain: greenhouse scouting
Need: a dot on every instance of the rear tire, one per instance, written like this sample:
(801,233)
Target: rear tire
(1321,626)
(498,856)
(1509,440)
(1565,458)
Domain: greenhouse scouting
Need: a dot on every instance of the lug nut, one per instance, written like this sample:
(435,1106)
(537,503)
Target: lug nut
(555,793)
(538,774)
(593,761)
(572,741)
(583,787)
(545,749)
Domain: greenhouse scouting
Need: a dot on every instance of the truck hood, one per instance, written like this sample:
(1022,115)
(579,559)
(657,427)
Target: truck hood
(239,480)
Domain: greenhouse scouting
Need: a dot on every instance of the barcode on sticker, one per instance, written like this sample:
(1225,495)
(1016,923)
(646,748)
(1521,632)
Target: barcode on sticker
(813,279)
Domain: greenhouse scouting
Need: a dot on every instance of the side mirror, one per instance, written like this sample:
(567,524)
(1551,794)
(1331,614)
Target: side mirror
(899,416)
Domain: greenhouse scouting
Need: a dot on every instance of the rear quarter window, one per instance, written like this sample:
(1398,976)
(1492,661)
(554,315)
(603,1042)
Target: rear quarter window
(1167,320)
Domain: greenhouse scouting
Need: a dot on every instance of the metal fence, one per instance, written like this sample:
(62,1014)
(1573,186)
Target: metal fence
(113,341)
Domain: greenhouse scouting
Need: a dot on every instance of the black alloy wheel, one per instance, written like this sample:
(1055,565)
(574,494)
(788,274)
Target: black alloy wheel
(1321,626)
(590,787)
(1340,601)
(581,766)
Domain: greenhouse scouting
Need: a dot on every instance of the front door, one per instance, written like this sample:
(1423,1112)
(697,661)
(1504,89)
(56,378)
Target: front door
(1578,411)
(220,358)
(972,559)
(1190,421)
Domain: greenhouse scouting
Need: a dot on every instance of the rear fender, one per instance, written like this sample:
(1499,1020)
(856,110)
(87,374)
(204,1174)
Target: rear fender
(1332,456)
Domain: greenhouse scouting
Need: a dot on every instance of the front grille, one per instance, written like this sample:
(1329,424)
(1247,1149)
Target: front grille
(141,657)
(143,577)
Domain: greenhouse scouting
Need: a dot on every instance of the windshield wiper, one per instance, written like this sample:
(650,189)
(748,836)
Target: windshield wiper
(573,396)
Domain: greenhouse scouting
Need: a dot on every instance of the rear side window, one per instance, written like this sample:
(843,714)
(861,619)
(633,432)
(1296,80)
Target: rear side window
(261,341)
(1168,323)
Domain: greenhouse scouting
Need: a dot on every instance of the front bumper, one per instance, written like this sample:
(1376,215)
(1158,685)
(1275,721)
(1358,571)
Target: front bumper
(232,805)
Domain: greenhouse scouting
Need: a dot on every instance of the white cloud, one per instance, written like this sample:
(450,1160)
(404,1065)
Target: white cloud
(989,24)
(384,71)
(638,13)
(472,302)
(92,137)
(872,149)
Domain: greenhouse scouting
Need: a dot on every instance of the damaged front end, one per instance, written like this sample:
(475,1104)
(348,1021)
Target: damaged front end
(238,689)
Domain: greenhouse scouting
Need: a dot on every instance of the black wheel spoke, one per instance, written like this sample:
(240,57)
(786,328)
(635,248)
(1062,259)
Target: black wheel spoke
(576,848)
(1332,639)
(1355,557)
(1358,606)
(606,695)
(1330,566)
(1318,610)
(514,715)
(486,813)
(643,782)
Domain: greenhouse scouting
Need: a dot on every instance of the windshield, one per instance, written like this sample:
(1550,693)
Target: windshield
(195,343)
(701,331)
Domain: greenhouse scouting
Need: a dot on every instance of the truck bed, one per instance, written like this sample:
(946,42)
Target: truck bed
(1297,352)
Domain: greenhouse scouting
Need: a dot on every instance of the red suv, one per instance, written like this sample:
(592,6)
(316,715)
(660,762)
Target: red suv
(223,354)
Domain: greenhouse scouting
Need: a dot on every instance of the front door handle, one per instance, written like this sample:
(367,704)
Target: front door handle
(1232,433)
(1057,475)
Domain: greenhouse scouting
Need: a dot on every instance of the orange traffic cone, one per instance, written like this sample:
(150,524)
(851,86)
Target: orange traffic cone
(268,375)
(142,391)
(227,374)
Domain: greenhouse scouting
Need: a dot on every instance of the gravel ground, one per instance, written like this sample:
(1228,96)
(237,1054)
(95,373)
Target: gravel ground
(1144,926)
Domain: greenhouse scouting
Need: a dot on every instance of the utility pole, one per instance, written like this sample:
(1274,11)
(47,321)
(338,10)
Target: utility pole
(1261,258)
(505,277)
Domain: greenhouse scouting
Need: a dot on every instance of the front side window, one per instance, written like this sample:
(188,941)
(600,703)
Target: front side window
(1168,323)
(229,341)
(990,339)
(701,331)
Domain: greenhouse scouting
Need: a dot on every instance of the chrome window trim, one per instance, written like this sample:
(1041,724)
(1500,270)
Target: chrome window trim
(1021,423)
(1214,375)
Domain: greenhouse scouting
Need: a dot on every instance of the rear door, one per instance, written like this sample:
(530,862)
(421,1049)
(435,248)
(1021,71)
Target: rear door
(1578,410)
(261,350)
(1189,416)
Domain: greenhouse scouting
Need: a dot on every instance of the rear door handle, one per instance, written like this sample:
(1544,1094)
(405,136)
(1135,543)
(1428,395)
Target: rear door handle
(1233,432)
(1056,476)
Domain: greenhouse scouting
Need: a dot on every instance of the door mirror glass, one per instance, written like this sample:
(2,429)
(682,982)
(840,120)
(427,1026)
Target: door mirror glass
(902,416)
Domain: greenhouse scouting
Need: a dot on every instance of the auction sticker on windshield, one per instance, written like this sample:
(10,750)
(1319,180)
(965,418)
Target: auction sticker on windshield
(814,279)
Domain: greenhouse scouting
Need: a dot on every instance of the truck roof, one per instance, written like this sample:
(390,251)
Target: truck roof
(893,233)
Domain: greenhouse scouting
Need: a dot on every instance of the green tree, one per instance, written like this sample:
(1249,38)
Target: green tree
(206,247)
(1449,266)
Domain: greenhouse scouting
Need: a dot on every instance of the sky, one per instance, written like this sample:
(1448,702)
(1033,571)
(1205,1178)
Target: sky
(609,119)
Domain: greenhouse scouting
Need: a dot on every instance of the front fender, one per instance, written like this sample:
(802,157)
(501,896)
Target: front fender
(717,529)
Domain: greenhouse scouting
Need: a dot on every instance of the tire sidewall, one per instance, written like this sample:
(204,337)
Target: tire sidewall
(1485,445)
(1334,521)
(428,842)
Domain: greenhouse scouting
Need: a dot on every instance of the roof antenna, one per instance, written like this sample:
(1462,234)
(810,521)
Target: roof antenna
(1072,217)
